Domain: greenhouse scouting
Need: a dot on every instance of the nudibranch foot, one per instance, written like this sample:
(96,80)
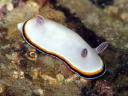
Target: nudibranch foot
(93,76)
(57,40)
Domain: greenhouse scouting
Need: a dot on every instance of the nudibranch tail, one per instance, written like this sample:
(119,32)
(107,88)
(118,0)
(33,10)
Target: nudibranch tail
(53,38)
(101,47)
(20,27)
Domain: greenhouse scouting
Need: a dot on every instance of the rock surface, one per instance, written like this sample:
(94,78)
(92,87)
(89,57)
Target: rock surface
(24,71)
(110,23)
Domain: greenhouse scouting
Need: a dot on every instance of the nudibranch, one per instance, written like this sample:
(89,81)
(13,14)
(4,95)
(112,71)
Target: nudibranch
(57,40)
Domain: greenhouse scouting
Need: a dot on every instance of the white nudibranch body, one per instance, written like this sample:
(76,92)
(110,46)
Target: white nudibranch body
(58,40)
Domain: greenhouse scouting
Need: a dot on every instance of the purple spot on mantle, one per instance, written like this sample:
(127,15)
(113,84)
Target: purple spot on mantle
(84,52)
